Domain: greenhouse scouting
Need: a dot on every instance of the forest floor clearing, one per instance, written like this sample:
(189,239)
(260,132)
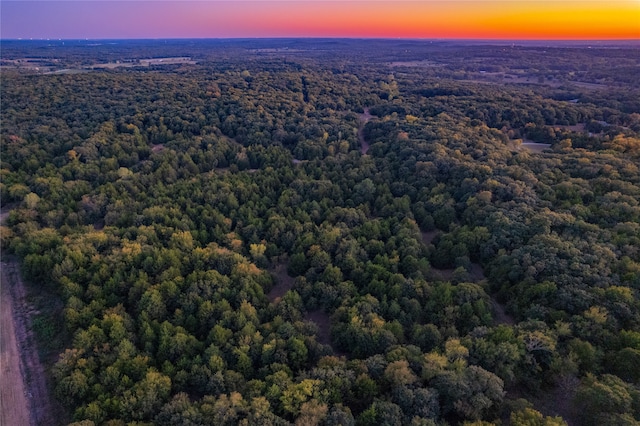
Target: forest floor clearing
(284,283)
(323,321)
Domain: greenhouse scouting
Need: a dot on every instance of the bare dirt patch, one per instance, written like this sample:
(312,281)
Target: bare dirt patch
(284,283)
(534,146)
(23,374)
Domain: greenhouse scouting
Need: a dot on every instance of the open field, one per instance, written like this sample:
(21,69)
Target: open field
(143,63)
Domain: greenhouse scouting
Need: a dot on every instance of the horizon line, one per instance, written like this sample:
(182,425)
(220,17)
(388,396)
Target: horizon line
(322,38)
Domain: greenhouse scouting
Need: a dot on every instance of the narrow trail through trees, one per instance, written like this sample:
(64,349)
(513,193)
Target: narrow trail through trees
(364,118)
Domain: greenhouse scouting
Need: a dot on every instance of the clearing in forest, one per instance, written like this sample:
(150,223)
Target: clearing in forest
(534,146)
(284,283)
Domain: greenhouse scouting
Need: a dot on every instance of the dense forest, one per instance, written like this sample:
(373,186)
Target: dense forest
(330,232)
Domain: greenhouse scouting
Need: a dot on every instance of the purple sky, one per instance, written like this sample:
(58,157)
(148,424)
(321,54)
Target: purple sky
(119,19)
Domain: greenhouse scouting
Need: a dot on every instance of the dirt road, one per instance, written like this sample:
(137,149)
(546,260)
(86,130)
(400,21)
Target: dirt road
(13,394)
(24,396)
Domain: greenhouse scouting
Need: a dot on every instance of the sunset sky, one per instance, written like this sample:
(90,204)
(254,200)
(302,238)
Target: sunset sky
(483,19)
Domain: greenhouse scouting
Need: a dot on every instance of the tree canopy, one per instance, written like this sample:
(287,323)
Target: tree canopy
(225,251)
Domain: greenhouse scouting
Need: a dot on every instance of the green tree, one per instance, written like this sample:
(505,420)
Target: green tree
(606,397)
(531,417)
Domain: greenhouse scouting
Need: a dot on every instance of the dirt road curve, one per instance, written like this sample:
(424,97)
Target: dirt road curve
(24,395)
